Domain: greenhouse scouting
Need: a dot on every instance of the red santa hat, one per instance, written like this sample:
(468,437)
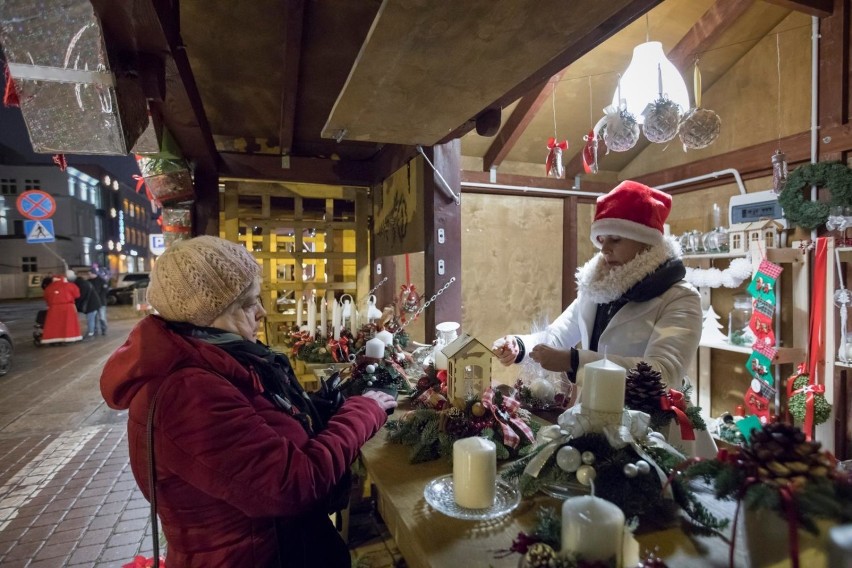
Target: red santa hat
(632,211)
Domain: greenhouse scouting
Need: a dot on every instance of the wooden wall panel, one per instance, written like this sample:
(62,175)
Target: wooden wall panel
(511,266)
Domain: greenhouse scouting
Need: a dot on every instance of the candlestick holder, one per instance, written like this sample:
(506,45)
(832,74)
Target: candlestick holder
(439,494)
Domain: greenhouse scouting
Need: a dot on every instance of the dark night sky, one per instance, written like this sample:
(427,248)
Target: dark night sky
(13,133)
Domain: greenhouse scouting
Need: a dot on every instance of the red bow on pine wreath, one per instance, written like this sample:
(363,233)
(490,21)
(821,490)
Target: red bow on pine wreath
(676,402)
(552,145)
(506,416)
(809,390)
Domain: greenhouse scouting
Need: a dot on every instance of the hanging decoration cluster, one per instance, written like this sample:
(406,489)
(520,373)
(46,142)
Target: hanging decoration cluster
(700,126)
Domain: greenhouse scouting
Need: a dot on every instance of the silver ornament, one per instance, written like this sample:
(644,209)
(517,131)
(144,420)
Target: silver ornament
(371,368)
(630,470)
(643,467)
(618,128)
(662,119)
(700,128)
(588,458)
(568,458)
(586,474)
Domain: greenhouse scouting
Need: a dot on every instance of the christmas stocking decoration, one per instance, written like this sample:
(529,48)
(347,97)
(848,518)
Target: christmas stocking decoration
(762,285)
(759,365)
(761,323)
(757,404)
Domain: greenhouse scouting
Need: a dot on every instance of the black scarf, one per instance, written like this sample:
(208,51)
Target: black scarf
(667,275)
(280,385)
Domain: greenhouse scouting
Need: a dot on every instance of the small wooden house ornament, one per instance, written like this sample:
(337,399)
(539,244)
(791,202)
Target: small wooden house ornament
(468,368)
(765,232)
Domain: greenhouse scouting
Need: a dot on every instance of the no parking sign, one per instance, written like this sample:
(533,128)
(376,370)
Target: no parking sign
(36,205)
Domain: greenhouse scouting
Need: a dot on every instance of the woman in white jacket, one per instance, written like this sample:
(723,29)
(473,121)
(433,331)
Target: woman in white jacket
(632,301)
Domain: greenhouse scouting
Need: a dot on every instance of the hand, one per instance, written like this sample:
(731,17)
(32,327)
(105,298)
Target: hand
(384,400)
(506,349)
(550,358)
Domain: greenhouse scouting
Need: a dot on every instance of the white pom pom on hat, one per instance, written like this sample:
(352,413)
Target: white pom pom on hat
(632,211)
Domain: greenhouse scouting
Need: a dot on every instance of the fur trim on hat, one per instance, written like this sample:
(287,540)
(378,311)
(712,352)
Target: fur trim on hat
(601,285)
(626,230)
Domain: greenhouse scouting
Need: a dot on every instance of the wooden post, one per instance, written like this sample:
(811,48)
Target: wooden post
(443,235)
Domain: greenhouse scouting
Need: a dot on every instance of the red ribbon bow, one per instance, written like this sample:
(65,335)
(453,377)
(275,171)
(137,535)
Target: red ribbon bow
(507,417)
(676,402)
(300,338)
(809,390)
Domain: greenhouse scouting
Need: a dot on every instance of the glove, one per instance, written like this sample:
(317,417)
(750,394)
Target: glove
(328,398)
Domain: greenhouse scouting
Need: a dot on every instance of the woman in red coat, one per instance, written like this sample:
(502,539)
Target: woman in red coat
(246,468)
(61,324)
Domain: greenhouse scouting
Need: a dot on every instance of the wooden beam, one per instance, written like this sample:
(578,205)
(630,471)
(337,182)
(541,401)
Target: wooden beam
(294,15)
(834,70)
(569,250)
(389,159)
(818,8)
(566,57)
(524,112)
(307,170)
(755,161)
(707,30)
(442,259)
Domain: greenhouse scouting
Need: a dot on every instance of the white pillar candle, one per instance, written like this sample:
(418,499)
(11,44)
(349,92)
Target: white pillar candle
(355,323)
(299,308)
(346,314)
(335,320)
(543,389)
(385,336)
(592,529)
(375,348)
(474,472)
(603,386)
(323,318)
(312,315)
(441,362)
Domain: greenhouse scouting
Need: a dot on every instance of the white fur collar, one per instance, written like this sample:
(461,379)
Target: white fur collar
(601,285)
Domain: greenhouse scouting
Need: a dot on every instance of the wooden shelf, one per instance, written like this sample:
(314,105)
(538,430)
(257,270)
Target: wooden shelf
(727,347)
(714,255)
(784,354)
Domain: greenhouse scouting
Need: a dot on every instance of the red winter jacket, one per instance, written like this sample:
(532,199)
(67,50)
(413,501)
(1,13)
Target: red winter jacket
(228,462)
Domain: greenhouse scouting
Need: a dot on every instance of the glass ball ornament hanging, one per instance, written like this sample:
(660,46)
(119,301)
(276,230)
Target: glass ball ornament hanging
(618,129)
(700,126)
(662,119)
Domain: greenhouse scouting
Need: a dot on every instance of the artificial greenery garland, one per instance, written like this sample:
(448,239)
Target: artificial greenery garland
(833,176)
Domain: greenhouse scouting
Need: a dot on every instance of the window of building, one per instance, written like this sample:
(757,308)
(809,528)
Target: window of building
(18,227)
(8,186)
(84,192)
(29,264)
(72,183)
(32,184)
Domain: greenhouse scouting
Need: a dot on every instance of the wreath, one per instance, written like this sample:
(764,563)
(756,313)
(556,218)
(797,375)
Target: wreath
(834,176)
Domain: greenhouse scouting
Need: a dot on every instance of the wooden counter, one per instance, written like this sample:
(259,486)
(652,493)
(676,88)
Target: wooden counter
(427,538)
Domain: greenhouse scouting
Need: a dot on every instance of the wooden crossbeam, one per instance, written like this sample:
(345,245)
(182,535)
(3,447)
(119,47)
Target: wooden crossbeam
(707,30)
(818,8)
(294,12)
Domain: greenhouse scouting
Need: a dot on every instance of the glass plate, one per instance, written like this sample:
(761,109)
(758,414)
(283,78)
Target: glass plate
(565,490)
(439,494)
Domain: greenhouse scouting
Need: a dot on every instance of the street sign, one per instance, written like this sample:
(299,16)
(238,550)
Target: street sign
(39,231)
(36,204)
(157,244)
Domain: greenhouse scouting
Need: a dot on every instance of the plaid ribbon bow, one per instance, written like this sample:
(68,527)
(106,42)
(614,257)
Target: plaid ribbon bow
(506,416)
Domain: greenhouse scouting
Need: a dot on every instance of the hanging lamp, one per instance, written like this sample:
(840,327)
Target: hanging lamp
(639,84)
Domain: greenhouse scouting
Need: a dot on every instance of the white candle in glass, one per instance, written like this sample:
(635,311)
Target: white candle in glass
(474,472)
(355,321)
(592,528)
(312,315)
(375,348)
(323,318)
(299,308)
(603,386)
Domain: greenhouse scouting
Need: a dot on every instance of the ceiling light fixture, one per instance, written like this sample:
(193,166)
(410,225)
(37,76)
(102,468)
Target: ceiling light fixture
(638,87)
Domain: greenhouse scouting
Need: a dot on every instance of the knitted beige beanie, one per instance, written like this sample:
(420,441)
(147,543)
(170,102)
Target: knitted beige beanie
(195,280)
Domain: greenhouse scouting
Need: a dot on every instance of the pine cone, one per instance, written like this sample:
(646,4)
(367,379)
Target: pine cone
(781,455)
(644,388)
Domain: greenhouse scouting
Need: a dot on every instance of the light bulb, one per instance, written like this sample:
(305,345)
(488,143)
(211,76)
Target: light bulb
(640,83)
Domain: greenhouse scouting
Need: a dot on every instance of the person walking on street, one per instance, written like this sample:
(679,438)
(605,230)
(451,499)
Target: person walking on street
(101,287)
(60,323)
(88,303)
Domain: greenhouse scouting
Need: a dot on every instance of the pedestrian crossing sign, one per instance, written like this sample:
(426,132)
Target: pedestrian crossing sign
(39,231)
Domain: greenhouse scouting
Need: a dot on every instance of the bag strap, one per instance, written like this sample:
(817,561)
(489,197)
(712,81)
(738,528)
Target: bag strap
(152,479)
